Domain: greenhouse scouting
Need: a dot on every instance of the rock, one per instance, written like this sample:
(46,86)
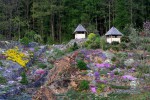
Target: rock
(78,41)
(33,44)
(129,62)
(109,54)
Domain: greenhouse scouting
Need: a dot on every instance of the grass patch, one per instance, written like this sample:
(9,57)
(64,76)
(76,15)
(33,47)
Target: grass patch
(119,87)
(81,65)
(2,80)
(84,85)
(41,65)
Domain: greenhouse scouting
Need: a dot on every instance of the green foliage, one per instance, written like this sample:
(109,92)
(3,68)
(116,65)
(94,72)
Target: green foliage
(30,34)
(123,45)
(84,85)
(75,46)
(115,48)
(58,53)
(144,69)
(81,65)
(116,73)
(41,65)
(113,59)
(2,80)
(1,64)
(93,41)
(148,48)
(103,72)
(50,40)
(38,38)
(103,43)
(24,80)
(100,87)
(125,39)
(114,43)
(118,96)
(107,46)
(25,41)
(132,46)
(1,37)
(91,37)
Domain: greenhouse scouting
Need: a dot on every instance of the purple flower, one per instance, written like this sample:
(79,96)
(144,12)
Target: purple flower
(93,89)
(107,65)
(129,77)
(100,65)
(31,49)
(40,71)
(103,65)
(96,74)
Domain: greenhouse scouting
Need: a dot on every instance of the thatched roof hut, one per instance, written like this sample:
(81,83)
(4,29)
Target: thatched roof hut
(80,32)
(113,35)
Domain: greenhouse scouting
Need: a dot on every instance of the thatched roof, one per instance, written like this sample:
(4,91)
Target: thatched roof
(80,28)
(113,31)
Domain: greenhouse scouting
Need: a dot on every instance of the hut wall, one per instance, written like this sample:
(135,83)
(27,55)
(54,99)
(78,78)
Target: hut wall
(79,36)
(109,39)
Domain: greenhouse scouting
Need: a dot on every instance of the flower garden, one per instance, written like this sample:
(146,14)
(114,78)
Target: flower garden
(74,72)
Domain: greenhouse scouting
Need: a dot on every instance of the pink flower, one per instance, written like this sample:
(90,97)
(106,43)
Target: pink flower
(93,89)
(40,71)
(100,65)
(103,65)
(129,77)
(31,49)
(107,65)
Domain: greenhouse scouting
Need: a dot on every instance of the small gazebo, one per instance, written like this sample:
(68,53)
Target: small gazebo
(113,35)
(80,32)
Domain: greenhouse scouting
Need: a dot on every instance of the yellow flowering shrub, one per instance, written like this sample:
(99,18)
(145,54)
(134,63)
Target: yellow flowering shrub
(17,56)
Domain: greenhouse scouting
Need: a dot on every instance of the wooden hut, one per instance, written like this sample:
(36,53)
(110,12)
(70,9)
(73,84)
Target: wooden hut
(80,32)
(113,35)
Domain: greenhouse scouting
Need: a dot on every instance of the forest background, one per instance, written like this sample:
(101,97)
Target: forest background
(53,21)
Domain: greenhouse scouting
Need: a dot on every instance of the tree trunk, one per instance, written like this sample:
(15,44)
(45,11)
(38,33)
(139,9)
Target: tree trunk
(52,26)
(131,11)
(109,14)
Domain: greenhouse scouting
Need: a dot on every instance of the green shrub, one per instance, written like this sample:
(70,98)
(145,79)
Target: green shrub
(115,48)
(116,73)
(84,85)
(75,46)
(103,72)
(114,43)
(30,34)
(113,59)
(38,38)
(94,46)
(123,45)
(119,96)
(1,64)
(91,36)
(58,53)
(1,37)
(100,87)
(132,46)
(41,65)
(107,46)
(148,48)
(24,78)
(103,43)
(125,39)
(93,41)
(49,40)
(119,87)
(144,69)
(81,65)
(25,41)
(2,80)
